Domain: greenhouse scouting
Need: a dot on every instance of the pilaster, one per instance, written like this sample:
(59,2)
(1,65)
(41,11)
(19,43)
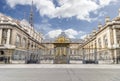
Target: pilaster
(115,44)
(0,36)
(8,37)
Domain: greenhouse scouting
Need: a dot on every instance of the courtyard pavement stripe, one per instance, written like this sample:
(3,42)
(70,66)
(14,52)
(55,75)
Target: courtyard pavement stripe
(87,66)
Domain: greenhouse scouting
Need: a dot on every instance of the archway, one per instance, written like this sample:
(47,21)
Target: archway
(61,49)
(2,57)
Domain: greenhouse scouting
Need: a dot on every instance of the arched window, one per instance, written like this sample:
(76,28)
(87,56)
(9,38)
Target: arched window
(18,38)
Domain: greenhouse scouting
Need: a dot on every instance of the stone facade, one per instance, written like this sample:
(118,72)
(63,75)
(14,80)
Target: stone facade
(103,44)
(20,43)
(18,40)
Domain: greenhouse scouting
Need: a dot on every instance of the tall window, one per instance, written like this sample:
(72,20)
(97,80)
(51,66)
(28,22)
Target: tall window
(105,41)
(101,56)
(24,42)
(18,38)
(118,41)
(28,45)
(73,52)
(99,43)
(4,36)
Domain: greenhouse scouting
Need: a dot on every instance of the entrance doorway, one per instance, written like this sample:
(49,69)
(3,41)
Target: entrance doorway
(61,49)
(61,53)
(3,58)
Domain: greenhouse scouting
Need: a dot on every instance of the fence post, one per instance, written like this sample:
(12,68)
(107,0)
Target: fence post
(84,62)
(95,52)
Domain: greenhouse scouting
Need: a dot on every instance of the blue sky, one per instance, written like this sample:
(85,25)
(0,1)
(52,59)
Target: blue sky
(75,17)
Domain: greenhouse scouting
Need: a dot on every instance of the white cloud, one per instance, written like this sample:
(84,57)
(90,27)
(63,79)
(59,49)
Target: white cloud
(106,2)
(24,22)
(54,33)
(83,36)
(71,33)
(67,8)
(13,3)
(44,27)
(82,32)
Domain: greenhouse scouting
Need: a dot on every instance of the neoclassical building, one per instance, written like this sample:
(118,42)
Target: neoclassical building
(19,42)
(103,44)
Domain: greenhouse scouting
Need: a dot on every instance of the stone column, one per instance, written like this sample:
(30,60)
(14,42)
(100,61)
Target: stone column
(115,36)
(83,52)
(102,42)
(115,45)
(0,36)
(109,38)
(8,37)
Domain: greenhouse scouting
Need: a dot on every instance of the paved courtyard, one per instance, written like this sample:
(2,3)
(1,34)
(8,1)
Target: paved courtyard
(49,72)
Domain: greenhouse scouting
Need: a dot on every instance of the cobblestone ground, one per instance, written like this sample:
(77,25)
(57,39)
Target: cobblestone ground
(60,74)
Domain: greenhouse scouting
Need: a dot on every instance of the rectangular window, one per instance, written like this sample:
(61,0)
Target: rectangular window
(105,41)
(4,36)
(99,43)
(24,43)
(101,56)
(18,41)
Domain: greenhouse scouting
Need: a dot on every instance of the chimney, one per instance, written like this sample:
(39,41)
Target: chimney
(99,26)
(94,31)
(107,19)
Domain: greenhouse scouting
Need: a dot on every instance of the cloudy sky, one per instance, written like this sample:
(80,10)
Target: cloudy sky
(75,17)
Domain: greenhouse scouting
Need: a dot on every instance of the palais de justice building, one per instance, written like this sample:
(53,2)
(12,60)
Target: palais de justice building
(21,43)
